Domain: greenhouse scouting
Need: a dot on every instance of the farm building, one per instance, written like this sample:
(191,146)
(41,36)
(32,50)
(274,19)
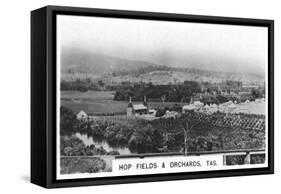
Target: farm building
(140,109)
(137,109)
(193,105)
(188,108)
(82,115)
(170,114)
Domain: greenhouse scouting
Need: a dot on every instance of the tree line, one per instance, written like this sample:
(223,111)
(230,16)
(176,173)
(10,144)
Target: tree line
(164,93)
(82,85)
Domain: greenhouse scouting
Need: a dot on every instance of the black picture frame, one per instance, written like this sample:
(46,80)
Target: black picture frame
(43,95)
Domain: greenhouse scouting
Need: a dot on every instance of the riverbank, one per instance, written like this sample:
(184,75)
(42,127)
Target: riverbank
(76,157)
(73,146)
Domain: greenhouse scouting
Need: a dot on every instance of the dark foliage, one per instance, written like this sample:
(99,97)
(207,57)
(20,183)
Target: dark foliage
(169,93)
(166,135)
(82,85)
(68,120)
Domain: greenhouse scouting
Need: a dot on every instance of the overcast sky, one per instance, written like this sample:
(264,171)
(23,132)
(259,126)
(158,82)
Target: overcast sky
(217,47)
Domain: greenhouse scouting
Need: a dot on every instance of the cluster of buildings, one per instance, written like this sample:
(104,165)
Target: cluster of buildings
(249,107)
(142,110)
(209,109)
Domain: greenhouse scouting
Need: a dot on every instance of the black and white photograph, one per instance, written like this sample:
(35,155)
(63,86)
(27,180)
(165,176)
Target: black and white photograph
(138,96)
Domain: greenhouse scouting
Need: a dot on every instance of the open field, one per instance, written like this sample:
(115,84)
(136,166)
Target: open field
(101,102)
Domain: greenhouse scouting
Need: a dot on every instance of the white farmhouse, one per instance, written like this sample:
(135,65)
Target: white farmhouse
(189,108)
(82,115)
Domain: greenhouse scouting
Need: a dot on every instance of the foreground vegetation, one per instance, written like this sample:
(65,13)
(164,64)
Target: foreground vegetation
(167,135)
(78,161)
(73,146)
(184,134)
(82,165)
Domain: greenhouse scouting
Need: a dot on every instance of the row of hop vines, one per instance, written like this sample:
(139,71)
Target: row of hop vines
(237,121)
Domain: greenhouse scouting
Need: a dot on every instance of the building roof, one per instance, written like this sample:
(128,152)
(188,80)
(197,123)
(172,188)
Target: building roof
(81,113)
(139,107)
(189,107)
(213,105)
(198,104)
(231,106)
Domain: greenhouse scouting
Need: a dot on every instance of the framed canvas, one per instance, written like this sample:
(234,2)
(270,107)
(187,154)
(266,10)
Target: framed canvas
(126,96)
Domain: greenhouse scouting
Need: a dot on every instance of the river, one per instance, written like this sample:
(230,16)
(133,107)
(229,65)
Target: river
(89,140)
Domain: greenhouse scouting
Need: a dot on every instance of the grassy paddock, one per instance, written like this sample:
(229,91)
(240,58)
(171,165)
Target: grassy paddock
(101,102)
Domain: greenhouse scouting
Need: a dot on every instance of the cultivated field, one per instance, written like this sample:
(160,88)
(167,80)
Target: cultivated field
(101,102)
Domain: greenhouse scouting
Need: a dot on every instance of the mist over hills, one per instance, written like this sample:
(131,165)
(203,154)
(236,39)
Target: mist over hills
(76,62)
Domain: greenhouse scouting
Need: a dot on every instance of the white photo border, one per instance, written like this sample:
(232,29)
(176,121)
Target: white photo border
(112,174)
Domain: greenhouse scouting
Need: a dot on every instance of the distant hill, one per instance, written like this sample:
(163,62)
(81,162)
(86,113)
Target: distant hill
(158,74)
(75,60)
(79,63)
(176,76)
